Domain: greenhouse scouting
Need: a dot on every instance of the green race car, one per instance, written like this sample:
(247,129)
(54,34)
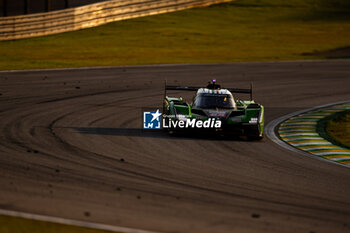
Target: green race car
(214,109)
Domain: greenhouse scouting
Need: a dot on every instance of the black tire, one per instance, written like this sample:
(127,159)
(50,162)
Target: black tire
(255,134)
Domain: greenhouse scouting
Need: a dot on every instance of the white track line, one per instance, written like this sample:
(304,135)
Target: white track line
(311,149)
(298,134)
(339,159)
(331,153)
(305,138)
(310,143)
(71,222)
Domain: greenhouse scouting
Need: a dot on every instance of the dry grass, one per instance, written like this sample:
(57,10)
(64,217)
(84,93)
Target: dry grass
(243,30)
(339,129)
(19,225)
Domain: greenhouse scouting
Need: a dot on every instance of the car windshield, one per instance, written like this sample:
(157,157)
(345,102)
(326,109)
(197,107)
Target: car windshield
(207,100)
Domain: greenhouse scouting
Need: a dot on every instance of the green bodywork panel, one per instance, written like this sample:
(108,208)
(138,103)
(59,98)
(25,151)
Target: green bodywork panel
(242,113)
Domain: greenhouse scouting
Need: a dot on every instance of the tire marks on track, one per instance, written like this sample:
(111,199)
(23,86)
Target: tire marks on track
(175,184)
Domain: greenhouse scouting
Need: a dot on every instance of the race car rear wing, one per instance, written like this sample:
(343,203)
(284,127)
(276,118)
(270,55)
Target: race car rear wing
(191,88)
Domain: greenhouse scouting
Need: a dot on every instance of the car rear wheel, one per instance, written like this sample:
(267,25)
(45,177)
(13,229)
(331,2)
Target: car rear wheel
(255,133)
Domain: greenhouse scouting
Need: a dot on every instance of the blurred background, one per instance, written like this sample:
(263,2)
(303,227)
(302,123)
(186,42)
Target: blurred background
(20,7)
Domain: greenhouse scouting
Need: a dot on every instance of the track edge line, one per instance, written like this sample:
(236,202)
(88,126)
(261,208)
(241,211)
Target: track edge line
(72,222)
(270,132)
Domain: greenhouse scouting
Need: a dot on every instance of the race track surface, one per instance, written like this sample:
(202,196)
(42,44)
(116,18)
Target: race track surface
(71,146)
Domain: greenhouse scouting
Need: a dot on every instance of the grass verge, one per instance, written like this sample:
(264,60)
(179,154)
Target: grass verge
(242,30)
(339,129)
(19,225)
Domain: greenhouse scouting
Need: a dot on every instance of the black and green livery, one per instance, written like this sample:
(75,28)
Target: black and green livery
(239,117)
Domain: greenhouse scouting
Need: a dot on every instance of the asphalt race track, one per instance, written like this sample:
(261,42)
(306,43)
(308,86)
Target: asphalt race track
(71,145)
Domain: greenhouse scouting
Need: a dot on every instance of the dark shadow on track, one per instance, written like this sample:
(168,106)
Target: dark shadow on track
(137,132)
(133,132)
